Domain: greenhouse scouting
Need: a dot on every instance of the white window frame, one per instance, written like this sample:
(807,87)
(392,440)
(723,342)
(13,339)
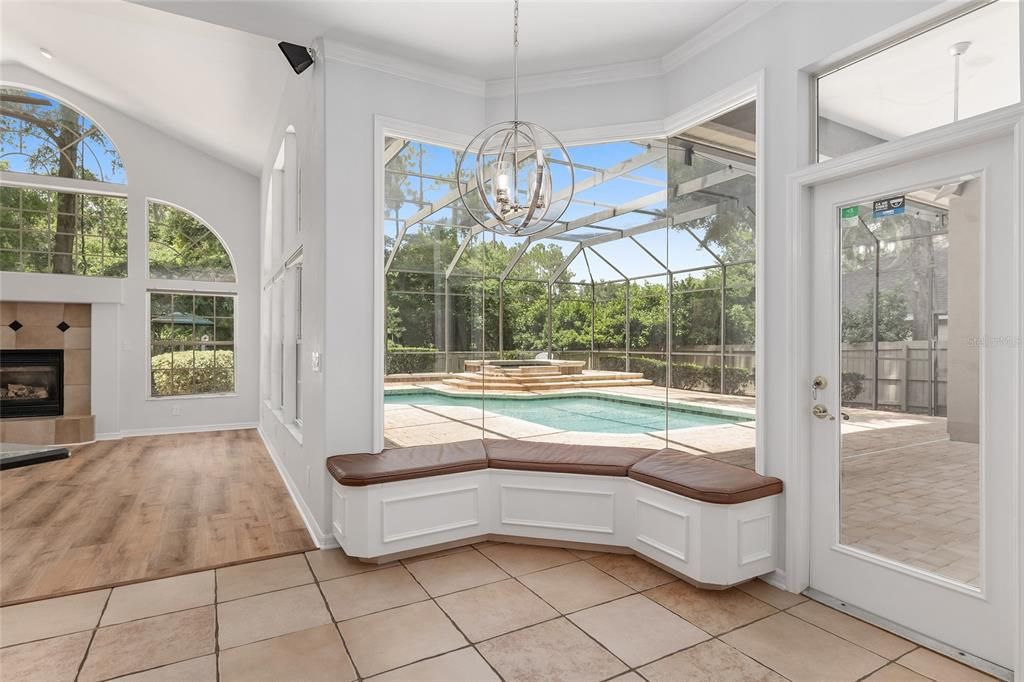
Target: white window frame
(280,336)
(296,338)
(149,343)
(900,34)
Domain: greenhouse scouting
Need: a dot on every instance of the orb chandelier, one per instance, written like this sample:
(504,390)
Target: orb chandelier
(505,173)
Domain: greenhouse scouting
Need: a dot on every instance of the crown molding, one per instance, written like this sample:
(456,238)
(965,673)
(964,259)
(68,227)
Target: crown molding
(404,68)
(740,17)
(748,12)
(572,78)
(641,130)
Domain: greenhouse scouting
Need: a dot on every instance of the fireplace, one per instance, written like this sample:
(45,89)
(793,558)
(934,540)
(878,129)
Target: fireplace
(31,383)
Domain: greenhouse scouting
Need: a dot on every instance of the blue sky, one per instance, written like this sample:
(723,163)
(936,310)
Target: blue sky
(95,158)
(675,247)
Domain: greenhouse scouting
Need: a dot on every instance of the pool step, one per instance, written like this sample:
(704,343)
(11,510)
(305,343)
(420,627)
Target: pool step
(602,383)
(581,378)
(527,372)
(489,385)
(506,382)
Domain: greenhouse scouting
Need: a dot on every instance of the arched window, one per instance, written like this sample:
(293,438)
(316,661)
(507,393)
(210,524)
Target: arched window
(181,246)
(41,135)
(50,222)
(192,335)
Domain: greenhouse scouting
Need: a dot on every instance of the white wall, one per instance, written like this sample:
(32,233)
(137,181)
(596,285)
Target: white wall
(300,455)
(784,42)
(157,167)
(332,107)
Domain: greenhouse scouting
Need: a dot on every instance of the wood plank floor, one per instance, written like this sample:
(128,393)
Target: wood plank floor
(140,508)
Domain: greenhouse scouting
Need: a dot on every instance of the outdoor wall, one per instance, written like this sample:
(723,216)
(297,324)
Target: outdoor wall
(163,168)
(963,390)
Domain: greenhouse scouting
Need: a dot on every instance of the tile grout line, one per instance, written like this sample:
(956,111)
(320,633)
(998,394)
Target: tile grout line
(565,616)
(92,637)
(334,623)
(216,628)
(849,641)
(94,629)
(642,592)
(431,598)
(260,594)
(162,665)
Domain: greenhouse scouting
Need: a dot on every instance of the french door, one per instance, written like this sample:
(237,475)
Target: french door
(914,395)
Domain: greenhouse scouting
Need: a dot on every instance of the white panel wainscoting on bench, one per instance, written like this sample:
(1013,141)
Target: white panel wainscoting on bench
(711,544)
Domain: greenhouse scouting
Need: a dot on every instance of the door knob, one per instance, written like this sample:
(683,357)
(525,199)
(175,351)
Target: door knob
(821,412)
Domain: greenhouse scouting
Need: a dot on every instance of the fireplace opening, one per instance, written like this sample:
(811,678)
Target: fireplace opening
(31,383)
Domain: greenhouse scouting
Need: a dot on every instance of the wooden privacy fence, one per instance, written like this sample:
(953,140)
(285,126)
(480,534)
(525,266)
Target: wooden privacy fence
(911,376)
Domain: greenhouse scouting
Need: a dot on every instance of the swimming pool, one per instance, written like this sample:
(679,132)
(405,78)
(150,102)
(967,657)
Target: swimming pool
(596,414)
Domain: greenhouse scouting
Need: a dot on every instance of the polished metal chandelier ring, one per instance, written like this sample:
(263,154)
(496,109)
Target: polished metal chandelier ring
(506,173)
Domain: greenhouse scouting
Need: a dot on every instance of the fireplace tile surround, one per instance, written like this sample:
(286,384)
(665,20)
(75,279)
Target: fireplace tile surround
(40,328)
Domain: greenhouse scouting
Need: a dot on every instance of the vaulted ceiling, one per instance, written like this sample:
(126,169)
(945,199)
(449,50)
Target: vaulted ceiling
(212,87)
(209,72)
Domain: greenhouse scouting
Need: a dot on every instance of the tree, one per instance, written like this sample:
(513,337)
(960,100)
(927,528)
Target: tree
(50,138)
(893,322)
(183,247)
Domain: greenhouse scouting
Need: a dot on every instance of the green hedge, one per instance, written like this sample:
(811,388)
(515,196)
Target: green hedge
(412,360)
(684,375)
(212,373)
(852,385)
(409,360)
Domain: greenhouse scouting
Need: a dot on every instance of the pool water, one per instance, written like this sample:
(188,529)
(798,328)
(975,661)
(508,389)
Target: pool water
(574,413)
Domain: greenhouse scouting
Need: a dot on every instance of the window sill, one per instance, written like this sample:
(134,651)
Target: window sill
(295,432)
(292,428)
(196,396)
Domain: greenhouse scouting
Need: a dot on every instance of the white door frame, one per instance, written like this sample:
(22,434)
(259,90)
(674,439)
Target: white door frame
(797,232)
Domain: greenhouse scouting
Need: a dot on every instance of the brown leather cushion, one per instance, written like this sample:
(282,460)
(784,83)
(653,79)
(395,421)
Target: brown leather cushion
(702,478)
(401,464)
(601,460)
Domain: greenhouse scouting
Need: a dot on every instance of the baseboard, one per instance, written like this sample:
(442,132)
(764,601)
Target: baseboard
(171,430)
(322,540)
(776,578)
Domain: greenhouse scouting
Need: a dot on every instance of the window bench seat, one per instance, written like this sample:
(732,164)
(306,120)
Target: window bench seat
(708,521)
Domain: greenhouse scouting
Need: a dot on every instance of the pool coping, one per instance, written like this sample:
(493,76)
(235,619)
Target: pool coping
(735,416)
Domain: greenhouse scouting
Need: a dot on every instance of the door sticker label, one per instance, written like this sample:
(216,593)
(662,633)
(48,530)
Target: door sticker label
(890,206)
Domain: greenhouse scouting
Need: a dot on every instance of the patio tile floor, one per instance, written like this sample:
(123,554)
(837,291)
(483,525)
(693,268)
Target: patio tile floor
(488,625)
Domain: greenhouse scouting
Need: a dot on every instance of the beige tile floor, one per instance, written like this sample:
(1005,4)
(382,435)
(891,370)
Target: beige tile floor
(488,612)
(909,494)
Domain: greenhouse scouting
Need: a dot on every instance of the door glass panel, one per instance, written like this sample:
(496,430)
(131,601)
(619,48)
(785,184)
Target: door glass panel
(909,350)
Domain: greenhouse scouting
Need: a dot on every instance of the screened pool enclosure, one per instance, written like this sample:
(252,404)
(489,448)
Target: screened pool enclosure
(649,272)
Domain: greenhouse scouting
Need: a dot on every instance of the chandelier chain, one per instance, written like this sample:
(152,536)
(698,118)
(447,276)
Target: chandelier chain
(513,192)
(515,97)
(515,61)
